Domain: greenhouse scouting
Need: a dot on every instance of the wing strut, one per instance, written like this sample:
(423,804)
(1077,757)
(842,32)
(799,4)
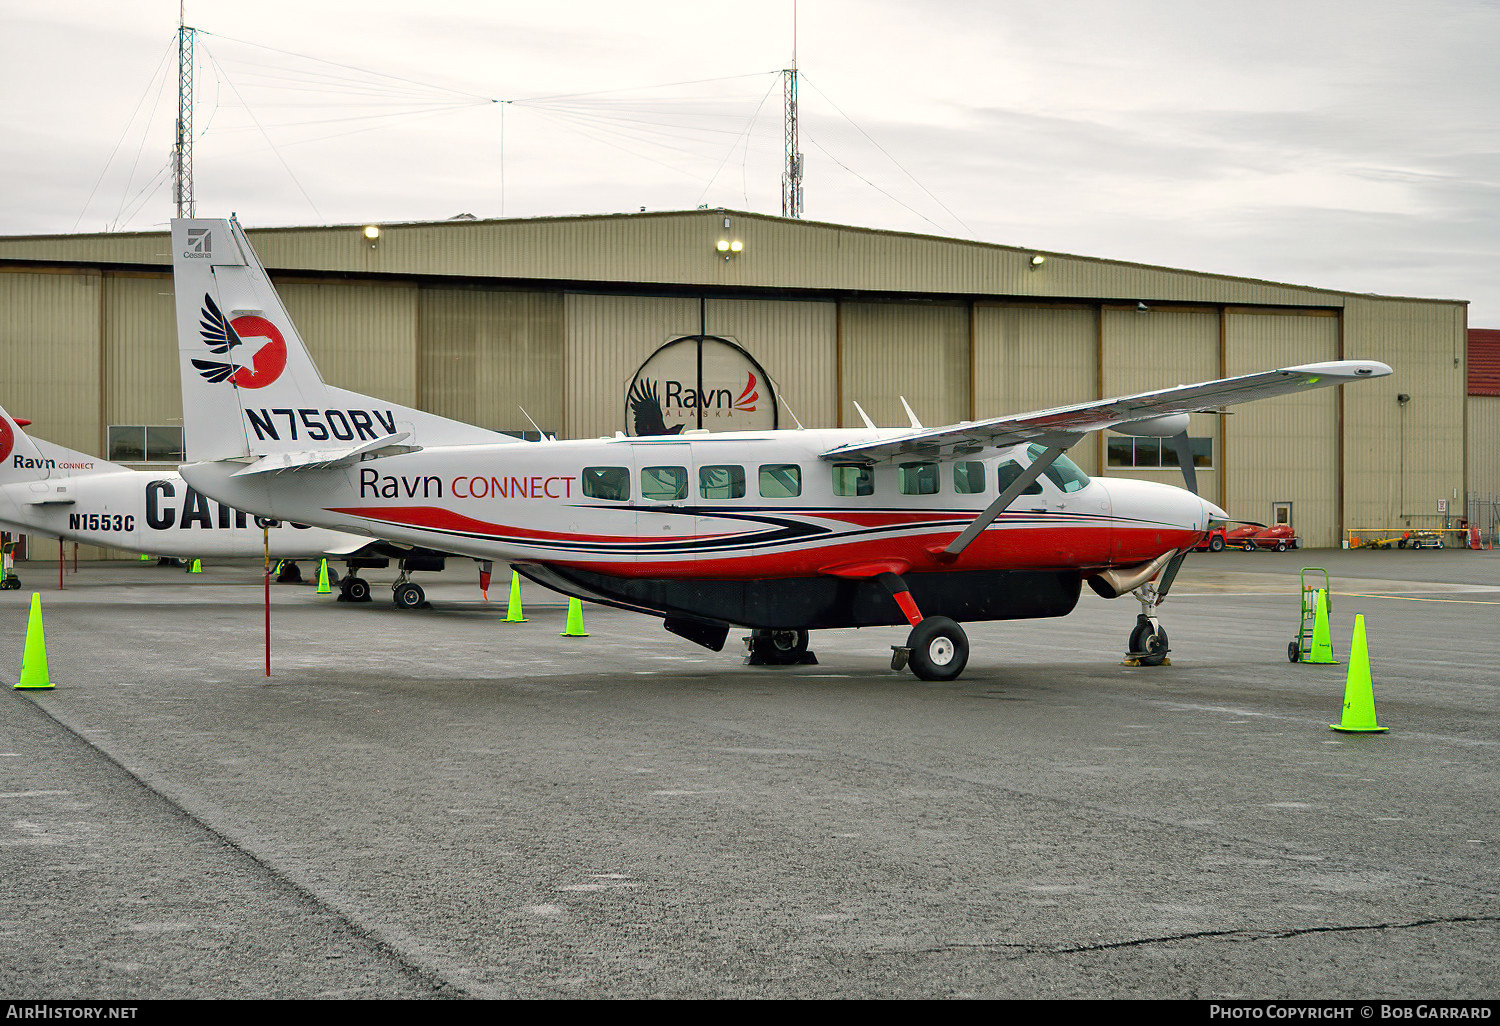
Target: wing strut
(1038,467)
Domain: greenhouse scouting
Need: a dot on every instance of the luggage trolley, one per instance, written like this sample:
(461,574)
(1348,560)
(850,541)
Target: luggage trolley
(1298,649)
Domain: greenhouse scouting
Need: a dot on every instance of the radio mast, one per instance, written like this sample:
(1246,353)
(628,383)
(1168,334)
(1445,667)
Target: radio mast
(182,152)
(791,175)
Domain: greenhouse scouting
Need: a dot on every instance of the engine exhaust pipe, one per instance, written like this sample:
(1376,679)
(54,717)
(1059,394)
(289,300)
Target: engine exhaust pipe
(1116,582)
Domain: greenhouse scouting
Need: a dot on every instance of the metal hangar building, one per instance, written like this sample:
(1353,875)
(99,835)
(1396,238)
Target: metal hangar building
(476,319)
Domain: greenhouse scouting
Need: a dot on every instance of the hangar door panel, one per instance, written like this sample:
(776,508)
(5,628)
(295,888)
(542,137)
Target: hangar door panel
(362,337)
(916,350)
(1283,450)
(608,338)
(795,343)
(487,355)
(1033,358)
(1160,348)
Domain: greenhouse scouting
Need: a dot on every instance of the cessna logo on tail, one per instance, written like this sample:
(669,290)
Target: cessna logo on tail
(222,335)
(200,244)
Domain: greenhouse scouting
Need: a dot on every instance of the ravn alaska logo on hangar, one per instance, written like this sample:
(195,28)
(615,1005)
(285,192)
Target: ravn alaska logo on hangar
(222,335)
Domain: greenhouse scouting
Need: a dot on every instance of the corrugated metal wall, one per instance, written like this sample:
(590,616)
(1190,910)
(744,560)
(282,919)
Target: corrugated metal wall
(919,350)
(608,338)
(362,337)
(50,355)
(1402,459)
(1032,358)
(1484,444)
(795,342)
(679,246)
(1286,449)
(1158,349)
(485,355)
(140,352)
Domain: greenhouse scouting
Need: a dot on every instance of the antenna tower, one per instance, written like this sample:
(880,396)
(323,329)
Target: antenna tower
(791,175)
(182,152)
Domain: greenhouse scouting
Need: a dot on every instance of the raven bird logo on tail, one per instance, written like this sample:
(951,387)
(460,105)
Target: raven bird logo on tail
(221,336)
(645,410)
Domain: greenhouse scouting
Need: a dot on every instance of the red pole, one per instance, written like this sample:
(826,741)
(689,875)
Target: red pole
(266,532)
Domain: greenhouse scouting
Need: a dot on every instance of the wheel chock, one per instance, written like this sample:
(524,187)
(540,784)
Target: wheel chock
(1135,660)
(900,656)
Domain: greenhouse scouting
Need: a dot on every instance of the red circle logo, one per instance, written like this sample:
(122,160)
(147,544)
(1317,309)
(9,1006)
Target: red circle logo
(269,361)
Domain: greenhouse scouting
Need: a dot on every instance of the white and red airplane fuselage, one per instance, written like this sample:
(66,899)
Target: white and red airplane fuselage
(750,529)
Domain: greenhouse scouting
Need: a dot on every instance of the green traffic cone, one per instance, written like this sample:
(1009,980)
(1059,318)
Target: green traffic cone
(575,621)
(1359,689)
(34,662)
(197,567)
(144,557)
(513,615)
(323,588)
(1322,640)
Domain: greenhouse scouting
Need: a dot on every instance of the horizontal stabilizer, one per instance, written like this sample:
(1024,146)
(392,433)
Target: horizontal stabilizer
(327,459)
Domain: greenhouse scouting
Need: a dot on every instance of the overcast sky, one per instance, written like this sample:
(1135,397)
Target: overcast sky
(1351,145)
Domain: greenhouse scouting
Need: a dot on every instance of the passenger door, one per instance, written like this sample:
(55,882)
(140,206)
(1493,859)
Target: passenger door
(664,490)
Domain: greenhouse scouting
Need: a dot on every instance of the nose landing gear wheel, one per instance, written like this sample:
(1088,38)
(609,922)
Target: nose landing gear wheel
(1148,644)
(939,649)
(408,595)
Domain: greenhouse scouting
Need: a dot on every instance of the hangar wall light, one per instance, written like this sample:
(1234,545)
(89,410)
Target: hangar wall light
(729,249)
(1141,307)
(1037,261)
(372,231)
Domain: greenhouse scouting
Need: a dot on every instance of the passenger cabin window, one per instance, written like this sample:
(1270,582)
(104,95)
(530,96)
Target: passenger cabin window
(853,479)
(722,482)
(1006,474)
(780,480)
(968,478)
(606,483)
(663,483)
(918,478)
(1063,473)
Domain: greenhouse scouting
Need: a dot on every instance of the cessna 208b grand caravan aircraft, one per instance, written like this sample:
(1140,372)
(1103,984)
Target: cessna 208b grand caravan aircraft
(782,532)
(51,491)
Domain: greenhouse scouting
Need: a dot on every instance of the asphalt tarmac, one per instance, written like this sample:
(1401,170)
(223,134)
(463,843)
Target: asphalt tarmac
(439,803)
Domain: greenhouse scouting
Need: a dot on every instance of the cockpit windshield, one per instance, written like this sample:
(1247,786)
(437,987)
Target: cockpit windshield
(1063,473)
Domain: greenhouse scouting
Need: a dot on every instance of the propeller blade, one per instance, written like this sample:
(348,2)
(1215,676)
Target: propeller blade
(1185,460)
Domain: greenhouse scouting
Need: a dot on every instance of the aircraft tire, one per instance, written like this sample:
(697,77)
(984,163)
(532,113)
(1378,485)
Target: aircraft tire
(939,649)
(780,647)
(1154,644)
(408,596)
(355,589)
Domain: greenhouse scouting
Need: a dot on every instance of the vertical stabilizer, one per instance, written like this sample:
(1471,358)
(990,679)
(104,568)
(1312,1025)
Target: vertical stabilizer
(20,459)
(249,387)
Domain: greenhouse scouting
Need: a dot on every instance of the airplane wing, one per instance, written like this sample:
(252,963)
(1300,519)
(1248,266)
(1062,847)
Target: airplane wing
(1063,425)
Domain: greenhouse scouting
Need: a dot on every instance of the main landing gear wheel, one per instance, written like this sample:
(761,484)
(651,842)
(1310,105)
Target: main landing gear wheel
(354,589)
(408,595)
(939,649)
(1148,643)
(779,647)
(290,573)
